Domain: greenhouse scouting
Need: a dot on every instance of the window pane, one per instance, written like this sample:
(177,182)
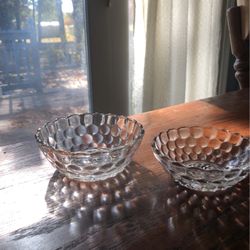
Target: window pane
(43,66)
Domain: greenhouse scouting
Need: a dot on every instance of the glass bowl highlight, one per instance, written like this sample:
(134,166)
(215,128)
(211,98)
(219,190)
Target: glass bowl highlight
(203,158)
(90,146)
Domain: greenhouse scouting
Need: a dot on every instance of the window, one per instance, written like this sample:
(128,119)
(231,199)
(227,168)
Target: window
(43,64)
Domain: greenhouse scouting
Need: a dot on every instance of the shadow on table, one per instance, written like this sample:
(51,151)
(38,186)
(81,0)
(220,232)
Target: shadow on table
(195,220)
(136,209)
(103,208)
(232,102)
(127,194)
(216,221)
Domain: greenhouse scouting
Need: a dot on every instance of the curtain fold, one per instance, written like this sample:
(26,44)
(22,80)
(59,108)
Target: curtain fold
(176,51)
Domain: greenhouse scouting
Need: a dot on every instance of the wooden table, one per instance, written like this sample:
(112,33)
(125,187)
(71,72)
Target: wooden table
(141,208)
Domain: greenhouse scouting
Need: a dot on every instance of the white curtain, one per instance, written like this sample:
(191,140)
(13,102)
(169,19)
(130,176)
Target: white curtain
(176,52)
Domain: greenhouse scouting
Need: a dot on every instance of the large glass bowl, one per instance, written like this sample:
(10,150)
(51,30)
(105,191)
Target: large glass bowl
(90,146)
(203,158)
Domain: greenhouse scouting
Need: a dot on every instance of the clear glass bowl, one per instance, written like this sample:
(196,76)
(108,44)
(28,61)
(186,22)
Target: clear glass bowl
(90,146)
(203,158)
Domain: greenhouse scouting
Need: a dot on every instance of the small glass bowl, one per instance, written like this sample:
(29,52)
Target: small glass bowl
(90,146)
(203,158)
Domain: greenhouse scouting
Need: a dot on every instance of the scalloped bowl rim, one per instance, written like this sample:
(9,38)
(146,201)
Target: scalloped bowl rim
(153,146)
(93,150)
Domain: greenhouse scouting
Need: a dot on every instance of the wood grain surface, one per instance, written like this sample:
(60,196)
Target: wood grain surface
(141,208)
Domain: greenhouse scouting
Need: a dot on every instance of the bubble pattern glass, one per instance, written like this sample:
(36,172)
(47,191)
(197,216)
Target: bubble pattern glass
(203,158)
(90,146)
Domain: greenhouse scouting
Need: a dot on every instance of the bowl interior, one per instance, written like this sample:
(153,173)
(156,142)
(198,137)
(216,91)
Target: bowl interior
(79,132)
(213,145)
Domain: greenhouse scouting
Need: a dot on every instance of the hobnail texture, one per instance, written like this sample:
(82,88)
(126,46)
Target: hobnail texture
(90,146)
(203,158)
